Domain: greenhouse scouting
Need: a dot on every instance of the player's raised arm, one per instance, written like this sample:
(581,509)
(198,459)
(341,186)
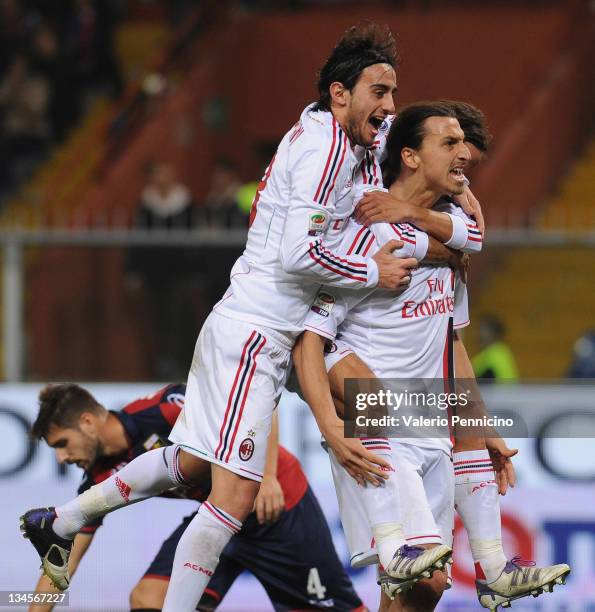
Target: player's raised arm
(311,371)
(303,252)
(452,227)
(466,236)
(417,244)
(81,544)
(470,204)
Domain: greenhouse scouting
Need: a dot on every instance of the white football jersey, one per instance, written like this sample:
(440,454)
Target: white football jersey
(307,189)
(406,335)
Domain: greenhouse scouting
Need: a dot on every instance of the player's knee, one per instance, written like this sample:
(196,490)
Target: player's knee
(148,595)
(192,468)
(243,503)
(232,493)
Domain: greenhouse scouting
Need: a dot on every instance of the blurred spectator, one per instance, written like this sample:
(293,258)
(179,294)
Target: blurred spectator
(90,43)
(221,200)
(54,57)
(165,202)
(24,125)
(245,197)
(583,358)
(165,274)
(50,61)
(495,361)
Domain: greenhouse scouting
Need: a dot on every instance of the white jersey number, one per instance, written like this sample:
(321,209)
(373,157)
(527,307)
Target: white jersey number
(315,587)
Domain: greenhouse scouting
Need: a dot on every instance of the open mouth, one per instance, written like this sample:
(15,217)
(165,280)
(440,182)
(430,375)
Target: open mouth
(376,122)
(457,174)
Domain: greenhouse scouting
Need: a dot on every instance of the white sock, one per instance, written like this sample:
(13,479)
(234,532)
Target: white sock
(383,506)
(418,520)
(148,475)
(197,556)
(476,500)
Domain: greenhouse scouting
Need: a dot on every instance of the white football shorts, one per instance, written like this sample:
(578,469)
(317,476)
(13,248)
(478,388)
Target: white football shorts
(426,485)
(237,374)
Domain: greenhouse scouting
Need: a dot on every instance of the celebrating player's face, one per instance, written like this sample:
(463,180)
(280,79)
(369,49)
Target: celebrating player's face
(370,102)
(73,446)
(443,155)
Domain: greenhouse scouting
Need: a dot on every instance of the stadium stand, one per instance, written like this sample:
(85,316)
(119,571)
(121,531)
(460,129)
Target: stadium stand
(206,94)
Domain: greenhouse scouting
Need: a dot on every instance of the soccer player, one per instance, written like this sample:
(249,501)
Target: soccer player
(243,351)
(412,337)
(286,543)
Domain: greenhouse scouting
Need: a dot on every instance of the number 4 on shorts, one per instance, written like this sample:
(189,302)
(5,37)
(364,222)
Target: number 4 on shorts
(315,587)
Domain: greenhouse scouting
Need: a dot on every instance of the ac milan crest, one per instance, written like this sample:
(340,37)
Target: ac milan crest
(246,449)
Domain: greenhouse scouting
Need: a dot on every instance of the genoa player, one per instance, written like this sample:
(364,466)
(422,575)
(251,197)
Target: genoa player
(286,544)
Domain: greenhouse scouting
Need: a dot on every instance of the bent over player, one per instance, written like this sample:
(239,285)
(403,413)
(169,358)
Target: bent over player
(286,544)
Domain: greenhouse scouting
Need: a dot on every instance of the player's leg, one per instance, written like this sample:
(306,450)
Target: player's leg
(148,594)
(423,597)
(295,560)
(361,541)
(385,505)
(382,504)
(428,519)
(225,575)
(148,475)
(356,526)
(198,551)
(235,380)
(51,530)
(498,580)
(150,591)
(476,501)
(438,483)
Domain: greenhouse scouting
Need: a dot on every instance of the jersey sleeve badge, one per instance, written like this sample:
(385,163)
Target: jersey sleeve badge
(323,304)
(317,224)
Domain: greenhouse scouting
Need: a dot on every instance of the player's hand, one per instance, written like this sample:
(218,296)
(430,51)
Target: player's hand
(470,204)
(379,206)
(359,463)
(270,501)
(393,272)
(501,460)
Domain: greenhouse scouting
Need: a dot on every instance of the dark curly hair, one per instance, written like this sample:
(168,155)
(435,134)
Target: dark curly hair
(62,405)
(361,46)
(472,122)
